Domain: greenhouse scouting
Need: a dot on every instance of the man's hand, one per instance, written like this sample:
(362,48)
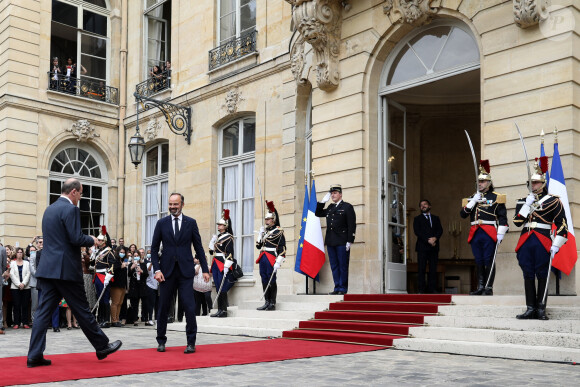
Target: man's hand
(530,199)
(473,201)
(94,240)
(347,246)
(21,286)
(432,241)
(160,278)
(206,277)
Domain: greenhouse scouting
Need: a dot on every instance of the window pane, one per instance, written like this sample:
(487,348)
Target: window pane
(56,166)
(55,187)
(227,27)
(93,46)
(90,161)
(156,40)
(247,255)
(82,156)
(100,3)
(230,183)
(94,23)
(248,219)
(150,222)
(227,6)
(96,172)
(96,67)
(249,135)
(164,158)
(164,197)
(428,45)
(151,200)
(405,67)
(233,207)
(61,157)
(152,168)
(64,13)
(97,192)
(248,15)
(96,206)
(460,49)
(231,139)
(248,189)
(149,3)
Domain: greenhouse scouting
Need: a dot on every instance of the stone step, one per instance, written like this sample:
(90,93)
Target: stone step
(508,351)
(287,305)
(562,326)
(251,322)
(518,300)
(273,314)
(307,298)
(547,339)
(240,331)
(554,312)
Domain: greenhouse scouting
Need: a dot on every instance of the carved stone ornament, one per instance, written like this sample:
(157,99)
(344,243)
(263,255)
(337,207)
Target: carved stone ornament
(319,23)
(82,130)
(414,12)
(528,13)
(233,100)
(153,128)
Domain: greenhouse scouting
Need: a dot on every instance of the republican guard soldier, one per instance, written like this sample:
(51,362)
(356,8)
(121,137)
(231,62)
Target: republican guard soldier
(221,246)
(272,246)
(340,233)
(487,213)
(104,258)
(537,213)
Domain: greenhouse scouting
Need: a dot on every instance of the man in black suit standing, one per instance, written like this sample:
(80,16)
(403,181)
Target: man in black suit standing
(175,269)
(428,230)
(60,274)
(340,233)
(2,271)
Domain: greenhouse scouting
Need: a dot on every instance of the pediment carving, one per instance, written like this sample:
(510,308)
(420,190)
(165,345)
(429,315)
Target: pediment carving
(528,13)
(414,12)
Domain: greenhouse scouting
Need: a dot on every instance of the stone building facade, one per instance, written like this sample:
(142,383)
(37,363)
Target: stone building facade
(371,94)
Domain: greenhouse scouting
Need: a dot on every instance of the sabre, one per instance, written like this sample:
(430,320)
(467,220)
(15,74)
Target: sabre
(269,282)
(492,264)
(261,198)
(527,160)
(474,161)
(219,291)
(99,299)
(548,278)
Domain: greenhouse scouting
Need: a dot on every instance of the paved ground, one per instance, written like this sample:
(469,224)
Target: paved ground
(398,368)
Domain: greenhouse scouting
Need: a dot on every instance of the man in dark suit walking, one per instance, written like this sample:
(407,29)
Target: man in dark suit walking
(60,274)
(175,269)
(428,230)
(340,233)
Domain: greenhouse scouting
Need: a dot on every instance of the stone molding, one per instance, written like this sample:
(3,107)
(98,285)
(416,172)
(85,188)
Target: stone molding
(528,13)
(414,12)
(153,128)
(82,130)
(319,23)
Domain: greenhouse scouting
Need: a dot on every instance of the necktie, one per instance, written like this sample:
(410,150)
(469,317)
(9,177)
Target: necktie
(429,219)
(176,230)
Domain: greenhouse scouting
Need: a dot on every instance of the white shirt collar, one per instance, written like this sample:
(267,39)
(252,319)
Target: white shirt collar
(180,217)
(67,198)
(337,203)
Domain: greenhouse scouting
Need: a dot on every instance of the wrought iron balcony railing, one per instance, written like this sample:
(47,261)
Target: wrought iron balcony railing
(154,84)
(233,49)
(83,87)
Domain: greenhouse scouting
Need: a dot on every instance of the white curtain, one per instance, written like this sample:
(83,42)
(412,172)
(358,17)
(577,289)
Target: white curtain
(230,193)
(248,219)
(154,35)
(164,198)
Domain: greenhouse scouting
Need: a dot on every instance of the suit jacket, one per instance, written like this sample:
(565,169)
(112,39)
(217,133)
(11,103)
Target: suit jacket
(340,223)
(63,238)
(424,231)
(177,248)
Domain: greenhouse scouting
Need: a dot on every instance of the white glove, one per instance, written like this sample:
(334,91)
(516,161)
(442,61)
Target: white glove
(530,199)
(554,249)
(262,229)
(326,198)
(280,259)
(500,237)
(212,242)
(347,246)
(226,269)
(228,263)
(473,201)
(108,277)
(261,234)
(276,266)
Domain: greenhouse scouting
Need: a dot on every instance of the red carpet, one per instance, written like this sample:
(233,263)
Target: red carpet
(375,319)
(85,365)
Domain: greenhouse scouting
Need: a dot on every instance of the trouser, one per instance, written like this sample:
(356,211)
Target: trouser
(202,302)
(533,259)
(339,260)
(33,302)
(483,247)
(55,318)
(21,299)
(117,297)
(424,257)
(134,310)
(151,295)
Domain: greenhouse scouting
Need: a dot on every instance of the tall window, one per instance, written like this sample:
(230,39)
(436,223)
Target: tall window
(158,37)
(236,17)
(237,161)
(83,165)
(80,30)
(155,188)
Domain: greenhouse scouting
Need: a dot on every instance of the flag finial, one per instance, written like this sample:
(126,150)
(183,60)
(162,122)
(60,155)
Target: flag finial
(555,134)
(542,136)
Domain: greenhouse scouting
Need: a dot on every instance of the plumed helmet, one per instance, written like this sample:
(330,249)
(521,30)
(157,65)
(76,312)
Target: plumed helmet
(484,170)
(225,219)
(272,213)
(540,169)
(102,234)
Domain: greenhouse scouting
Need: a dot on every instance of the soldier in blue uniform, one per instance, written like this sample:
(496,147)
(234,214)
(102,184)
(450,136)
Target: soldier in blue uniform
(536,213)
(103,258)
(340,233)
(221,247)
(272,246)
(487,213)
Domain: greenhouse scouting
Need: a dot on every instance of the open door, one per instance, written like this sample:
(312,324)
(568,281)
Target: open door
(393,196)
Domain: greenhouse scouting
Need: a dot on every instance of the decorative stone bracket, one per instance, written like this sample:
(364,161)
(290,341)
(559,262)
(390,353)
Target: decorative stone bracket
(414,12)
(528,13)
(82,130)
(233,100)
(319,23)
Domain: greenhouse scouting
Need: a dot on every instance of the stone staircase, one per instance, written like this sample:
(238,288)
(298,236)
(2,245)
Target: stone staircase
(486,326)
(245,320)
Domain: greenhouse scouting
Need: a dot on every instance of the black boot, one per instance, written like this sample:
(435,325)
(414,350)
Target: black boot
(480,281)
(219,310)
(530,313)
(223,300)
(266,303)
(541,311)
(106,316)
(273,292)
(489,288)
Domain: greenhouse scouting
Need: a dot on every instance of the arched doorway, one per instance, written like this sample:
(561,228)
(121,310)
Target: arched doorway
(88,167)
(429,93)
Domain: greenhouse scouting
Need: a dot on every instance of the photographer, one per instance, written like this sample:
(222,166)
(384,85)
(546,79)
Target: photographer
(137,287)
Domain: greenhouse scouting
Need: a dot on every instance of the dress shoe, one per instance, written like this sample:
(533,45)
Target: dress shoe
(170,320)
(340,293)
(149,323)
(109,349)
(30,363)
(271,307)
(56,329)
(161,348)
(135,324)
(216,314)
(264,307)
(104,325)
(117,325)
(333,293)
(189,349)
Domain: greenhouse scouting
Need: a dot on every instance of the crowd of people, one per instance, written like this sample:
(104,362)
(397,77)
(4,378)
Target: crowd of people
(160,75)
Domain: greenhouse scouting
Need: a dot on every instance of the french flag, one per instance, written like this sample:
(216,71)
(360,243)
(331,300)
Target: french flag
(302,230)
(313,250)
(565,259)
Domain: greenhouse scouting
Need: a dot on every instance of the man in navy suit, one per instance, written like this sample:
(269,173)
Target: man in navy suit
(428,230)
(175,269)
(60,274)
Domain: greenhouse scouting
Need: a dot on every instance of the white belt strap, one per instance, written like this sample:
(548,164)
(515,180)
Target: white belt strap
(101,270)
(538,225)
(480,221)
